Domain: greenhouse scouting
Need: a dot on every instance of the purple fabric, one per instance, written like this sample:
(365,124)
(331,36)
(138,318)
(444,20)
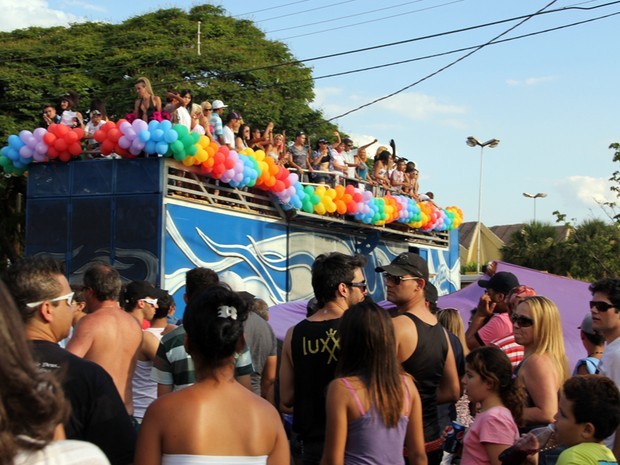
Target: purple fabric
(571,297)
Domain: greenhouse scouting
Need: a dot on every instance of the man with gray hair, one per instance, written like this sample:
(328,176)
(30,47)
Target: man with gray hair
(108,335)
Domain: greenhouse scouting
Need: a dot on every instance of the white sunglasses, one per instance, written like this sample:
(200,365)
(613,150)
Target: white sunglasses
(148,300)
(68,297)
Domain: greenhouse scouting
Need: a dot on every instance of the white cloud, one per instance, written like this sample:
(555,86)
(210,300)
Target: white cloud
(585,191)
(19,15)
(410,105)
(86,5)
(532,81)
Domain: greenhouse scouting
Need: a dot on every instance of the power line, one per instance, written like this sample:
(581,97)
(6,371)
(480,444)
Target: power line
(380,46)
(272,8)
(443,68)
(375,47)
(343,17)
(375,20)
(436,55)
(307,11)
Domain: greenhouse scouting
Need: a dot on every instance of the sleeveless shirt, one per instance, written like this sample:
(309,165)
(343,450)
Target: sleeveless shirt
(426,365)
(315,346)
(369,441)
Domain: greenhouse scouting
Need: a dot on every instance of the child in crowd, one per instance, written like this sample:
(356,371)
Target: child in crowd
(488,381)
(96,122)
(594,344)
(50,116)
(397,178)
(589,411)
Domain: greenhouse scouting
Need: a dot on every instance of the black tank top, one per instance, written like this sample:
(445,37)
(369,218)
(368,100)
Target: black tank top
(315,346)
(426,365)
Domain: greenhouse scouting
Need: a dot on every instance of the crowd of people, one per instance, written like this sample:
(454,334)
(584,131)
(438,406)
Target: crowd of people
(323,161)
(357,384)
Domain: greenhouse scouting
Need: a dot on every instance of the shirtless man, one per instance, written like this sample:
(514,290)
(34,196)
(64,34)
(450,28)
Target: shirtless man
(108,336)
(422,345)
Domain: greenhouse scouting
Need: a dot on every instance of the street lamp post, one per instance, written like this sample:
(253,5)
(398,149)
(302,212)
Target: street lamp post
(473,142)
(540,195)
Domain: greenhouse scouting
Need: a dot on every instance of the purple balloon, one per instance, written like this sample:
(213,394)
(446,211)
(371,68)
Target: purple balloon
(39,133)
(124,142)
(41,149)
(39,156)
(26,152)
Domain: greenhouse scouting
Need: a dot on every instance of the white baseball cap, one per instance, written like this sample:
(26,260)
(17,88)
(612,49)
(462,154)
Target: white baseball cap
(217,104)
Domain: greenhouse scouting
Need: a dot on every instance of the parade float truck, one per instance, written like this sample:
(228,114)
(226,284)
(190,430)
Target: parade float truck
(156,218)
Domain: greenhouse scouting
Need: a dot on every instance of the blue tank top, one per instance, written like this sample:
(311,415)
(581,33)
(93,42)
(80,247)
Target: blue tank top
(369,441)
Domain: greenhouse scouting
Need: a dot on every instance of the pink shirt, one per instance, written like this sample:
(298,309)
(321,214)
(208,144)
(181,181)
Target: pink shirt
(499,326)
(495,426)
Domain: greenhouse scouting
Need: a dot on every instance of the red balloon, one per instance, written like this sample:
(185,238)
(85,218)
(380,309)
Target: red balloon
(75,149)
(64,156)
(61,130)
(79,132)
(71,137)
(218,158)
(114,135)
(49,139)
(229,163)
(99,136)
(60,145)
(109,125)
(107,146)
(52,152)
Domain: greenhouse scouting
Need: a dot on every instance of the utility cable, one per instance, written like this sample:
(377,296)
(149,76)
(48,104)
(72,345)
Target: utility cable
(443,68)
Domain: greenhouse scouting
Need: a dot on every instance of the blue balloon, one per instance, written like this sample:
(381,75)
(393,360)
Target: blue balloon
(171,136)
(144,135)
(15,142)
(150,147)
(161,148)
(165,125)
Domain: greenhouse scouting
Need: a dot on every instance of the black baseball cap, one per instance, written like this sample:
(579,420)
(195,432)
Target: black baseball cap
(503,282)
(406,263)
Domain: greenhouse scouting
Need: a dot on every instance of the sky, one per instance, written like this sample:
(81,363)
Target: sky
(551,98)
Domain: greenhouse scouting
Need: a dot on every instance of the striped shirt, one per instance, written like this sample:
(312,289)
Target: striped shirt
(174,366)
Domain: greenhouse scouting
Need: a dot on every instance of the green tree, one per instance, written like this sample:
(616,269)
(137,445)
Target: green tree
(255,76)
(534,246)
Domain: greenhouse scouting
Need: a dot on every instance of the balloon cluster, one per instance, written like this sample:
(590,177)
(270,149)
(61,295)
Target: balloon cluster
(248,168)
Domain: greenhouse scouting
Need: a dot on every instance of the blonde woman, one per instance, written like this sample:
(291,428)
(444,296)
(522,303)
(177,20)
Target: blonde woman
(537,327)
(452,321)
(147,103)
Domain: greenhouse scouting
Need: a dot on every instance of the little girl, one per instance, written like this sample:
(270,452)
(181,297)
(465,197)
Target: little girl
(488,381)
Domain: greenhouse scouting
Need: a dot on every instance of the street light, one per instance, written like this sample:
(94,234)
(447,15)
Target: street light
(540,195)
(473,142)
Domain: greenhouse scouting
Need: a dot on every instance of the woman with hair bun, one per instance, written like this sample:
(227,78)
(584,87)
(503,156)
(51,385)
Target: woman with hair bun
(488,381)
(216,420)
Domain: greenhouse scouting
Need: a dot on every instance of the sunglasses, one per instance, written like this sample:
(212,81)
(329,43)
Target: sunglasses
(68,297)
(522,321)
(600,306)
(362,285)
(396,280)
(148,300)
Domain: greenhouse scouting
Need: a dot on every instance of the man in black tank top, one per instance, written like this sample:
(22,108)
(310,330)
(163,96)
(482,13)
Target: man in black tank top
(311,348)
(422,344)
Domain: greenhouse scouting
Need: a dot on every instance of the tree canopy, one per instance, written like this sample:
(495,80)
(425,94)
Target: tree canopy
(257,77)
